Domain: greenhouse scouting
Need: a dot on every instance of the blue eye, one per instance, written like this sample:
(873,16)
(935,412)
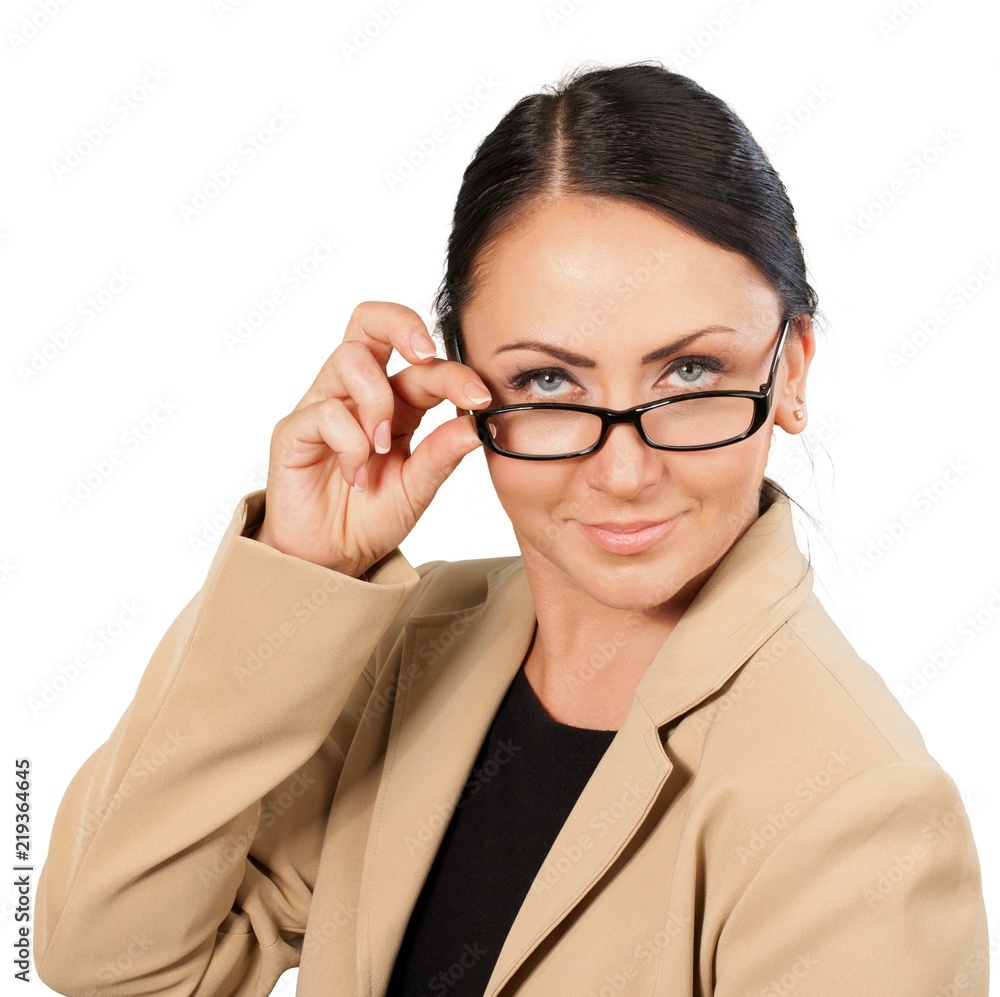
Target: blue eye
(690,371)
(695,371)
(526,377)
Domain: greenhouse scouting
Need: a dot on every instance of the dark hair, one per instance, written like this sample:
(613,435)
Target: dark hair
(639,132)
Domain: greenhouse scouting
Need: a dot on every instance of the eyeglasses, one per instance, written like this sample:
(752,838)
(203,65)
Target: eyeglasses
(697,420)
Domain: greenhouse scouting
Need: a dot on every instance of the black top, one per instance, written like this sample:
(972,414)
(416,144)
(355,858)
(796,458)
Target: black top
(528,774)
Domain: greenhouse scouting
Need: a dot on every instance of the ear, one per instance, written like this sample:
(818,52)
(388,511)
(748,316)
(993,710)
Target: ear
(797,355)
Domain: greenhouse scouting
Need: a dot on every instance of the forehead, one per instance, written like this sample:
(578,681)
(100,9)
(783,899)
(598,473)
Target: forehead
(578,265)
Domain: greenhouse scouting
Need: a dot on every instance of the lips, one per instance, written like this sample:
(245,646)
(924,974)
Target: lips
(626,527)
(627,538)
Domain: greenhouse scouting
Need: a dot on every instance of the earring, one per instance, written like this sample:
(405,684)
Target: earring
(800,399)
(798,415)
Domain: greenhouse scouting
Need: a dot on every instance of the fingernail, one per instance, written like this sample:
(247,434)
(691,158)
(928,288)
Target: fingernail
(477,392)
(361,479)
(383,437)
(422,343)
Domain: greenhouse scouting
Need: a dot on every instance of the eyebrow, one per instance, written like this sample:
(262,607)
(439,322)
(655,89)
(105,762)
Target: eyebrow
(578,360)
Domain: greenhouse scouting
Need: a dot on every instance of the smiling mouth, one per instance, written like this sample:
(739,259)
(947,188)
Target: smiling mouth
(627,538)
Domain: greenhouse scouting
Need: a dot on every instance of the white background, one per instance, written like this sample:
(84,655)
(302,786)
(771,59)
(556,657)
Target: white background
(855,102)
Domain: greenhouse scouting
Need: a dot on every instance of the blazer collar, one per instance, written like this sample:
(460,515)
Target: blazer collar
(455,669)
(754,589)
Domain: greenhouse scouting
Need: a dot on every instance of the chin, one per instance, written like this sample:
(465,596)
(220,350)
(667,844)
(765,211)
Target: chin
(641,584)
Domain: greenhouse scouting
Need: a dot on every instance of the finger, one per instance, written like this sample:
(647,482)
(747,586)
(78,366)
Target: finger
(419,388)
(379,326)
(360,382)
(434,459)
(309,434)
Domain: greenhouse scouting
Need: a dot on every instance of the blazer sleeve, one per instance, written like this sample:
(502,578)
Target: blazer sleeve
(876,891)
(184,852)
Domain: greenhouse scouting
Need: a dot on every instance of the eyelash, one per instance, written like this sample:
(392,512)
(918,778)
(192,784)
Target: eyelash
(525,375)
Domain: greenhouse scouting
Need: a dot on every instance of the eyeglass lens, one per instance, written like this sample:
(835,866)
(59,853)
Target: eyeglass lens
(686,422)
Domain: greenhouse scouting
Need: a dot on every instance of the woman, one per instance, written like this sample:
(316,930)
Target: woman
(638,757)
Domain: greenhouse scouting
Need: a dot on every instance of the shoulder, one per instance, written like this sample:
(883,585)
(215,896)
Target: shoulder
(807,689)
(800,721)
(810,767)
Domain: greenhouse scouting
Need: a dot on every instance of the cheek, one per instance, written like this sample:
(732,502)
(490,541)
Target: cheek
(526,488)
(723,483)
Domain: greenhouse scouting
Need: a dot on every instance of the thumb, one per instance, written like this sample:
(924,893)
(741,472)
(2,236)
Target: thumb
(436,456)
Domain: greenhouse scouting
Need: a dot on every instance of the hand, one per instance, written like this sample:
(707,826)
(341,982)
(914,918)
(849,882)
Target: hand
(325,446)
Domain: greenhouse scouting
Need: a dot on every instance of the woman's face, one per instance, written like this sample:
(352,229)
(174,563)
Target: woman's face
(609,282)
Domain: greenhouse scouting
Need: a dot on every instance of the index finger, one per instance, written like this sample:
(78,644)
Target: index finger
(380,326)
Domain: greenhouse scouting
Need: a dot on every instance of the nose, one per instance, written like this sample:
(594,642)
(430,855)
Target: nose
(624,465)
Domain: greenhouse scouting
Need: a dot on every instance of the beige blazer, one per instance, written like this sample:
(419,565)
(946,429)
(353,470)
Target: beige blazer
(766,821)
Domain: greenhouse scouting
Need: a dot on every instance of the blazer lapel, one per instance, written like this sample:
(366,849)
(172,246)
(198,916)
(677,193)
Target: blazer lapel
(439,722)
(584,850)
(752,592)
(455,669)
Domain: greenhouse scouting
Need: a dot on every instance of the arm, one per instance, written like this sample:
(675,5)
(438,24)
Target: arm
(876,892)
(184,851)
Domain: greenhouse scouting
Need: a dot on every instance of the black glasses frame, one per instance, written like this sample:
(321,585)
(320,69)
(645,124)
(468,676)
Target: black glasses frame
(762,400)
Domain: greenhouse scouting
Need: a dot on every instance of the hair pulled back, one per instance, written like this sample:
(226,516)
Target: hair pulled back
(639,132)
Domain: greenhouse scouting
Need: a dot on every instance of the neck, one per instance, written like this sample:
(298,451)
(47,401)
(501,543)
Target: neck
(585,664)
